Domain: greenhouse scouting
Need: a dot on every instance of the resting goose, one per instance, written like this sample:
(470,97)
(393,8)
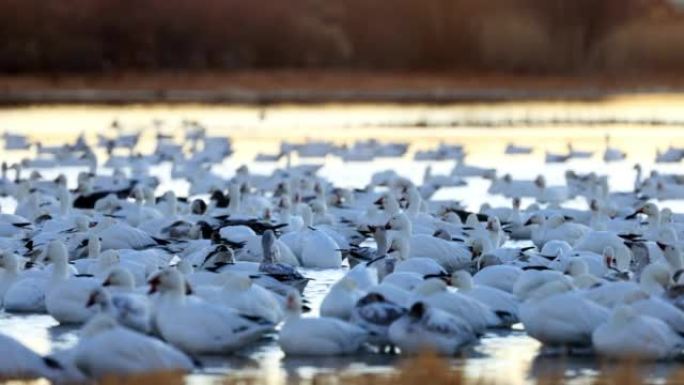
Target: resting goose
(375,313)
(196,326)
(557,315)
(631,335)
(425,327)
(321,336)
(105,348)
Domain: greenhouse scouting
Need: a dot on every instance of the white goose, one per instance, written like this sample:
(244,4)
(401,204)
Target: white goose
(177,318)
(317,336)
(313,247)
(433,292)
(67,296)
(239,293)
(630,335)
(427,327)
(504,304)
(450,255)
(556,315)
(105,348)
(340,300)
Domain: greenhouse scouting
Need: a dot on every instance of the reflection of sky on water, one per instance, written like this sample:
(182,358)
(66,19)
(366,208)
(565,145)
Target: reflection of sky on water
(509,357)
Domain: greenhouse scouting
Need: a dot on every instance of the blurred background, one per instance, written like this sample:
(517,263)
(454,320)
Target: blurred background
(263,44)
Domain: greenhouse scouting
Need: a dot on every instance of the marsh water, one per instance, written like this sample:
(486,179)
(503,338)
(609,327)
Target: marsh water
(638,125)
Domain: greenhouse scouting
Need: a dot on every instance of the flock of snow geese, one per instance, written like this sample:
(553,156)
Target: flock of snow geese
(157,280)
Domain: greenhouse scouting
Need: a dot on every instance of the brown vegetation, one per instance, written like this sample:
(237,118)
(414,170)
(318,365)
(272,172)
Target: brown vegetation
(514,36)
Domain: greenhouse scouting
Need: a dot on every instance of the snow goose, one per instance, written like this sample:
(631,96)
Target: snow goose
(376,314)
(532,279)
(66,296)
(653,280)
(340,300)
(240,294)
(129,310)
(313,247)
(612,154)
(502,277)
(20,362)
(321,336)
(434,292)
(504,304)
(28,294)
(426,327)
(105,348)
(582,278)
(272,267)
(178,317)
(450,255)
(11,272)
(555,228)
(630,335)
(557,315)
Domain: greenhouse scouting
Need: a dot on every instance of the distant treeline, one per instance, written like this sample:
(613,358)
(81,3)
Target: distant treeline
(521,36)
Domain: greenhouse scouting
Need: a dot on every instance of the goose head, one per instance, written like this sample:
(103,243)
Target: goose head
(169,281)
(655,278)
(576,267)
(399,222)
(56,253)
(98,297)
(461,279)
(649,209)
(535,219)
(108,258)
(9,261)
(673,256)
(267,244)
(198,207)
(119,277)
(293,303)
(220,256)
(516,203)
(94,246)
(417,311)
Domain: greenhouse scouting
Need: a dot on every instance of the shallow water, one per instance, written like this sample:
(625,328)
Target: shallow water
(504,357)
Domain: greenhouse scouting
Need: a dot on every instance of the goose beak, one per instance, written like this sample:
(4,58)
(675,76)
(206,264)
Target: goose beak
(661,245)
(528,222)
(388,226)
(91,300)
(378,202)
(154,282)
(107,282)
(634,214)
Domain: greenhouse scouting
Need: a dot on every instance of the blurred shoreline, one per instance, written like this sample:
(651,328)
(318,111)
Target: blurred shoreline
(322,86)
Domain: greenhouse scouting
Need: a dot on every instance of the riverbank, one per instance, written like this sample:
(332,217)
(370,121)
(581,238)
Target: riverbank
(275,87)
